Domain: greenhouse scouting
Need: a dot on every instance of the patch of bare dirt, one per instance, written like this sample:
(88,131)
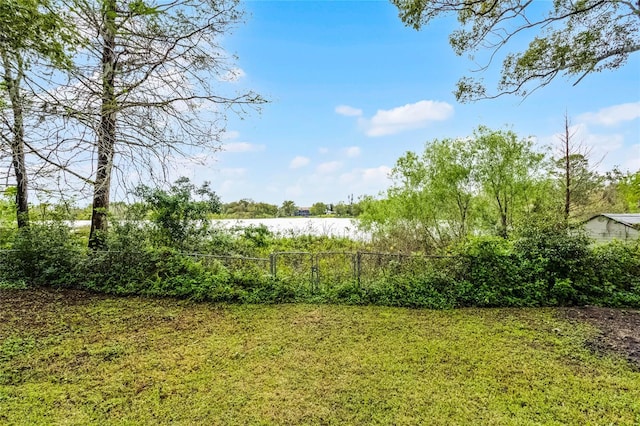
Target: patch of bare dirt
(619,330)
(37,310)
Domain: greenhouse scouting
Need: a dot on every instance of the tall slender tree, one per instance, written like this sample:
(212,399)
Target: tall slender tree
(151,86)
(577,177)
(30,31)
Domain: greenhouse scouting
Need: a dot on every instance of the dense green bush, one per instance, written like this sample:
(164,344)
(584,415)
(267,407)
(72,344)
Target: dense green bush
(180,214)
(560,259)
(541,267)
(491,273)
(616,268)
(42,255)
(427,290)
(125,264)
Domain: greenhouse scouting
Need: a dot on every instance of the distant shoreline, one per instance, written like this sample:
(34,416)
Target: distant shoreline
(287,226)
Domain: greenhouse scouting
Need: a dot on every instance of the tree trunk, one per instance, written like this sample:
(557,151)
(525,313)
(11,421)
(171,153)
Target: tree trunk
(17,139)
(504,224)
(567,171)
(107,130)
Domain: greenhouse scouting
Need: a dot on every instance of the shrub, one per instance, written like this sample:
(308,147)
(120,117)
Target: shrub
(560,259)
(43,255)
(490,275)
(617,274)
(125,265)
(541,267)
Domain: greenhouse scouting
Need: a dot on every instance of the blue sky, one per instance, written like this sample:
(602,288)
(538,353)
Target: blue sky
(351,89)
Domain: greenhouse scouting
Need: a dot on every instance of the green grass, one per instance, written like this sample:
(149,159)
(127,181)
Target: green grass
(73,358)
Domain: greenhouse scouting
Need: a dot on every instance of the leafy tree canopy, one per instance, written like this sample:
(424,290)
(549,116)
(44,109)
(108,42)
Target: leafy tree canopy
(575,38)
(35,27)
(247,209)
(288,208)
(318,209)
(456,187)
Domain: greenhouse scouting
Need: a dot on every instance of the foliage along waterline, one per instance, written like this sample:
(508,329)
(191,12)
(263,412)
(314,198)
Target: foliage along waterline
(543,268)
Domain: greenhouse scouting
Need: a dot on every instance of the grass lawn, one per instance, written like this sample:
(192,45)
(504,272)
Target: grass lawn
(75,358)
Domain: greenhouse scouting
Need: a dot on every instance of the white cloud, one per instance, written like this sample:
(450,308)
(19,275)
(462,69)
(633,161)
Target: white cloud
(407,117)
(633,162)
(612,115)
(242,147)
(348,111)
(330,183)
(328,167)
(298,162)
(599,143)
(323,150)
(352,151)
(375,177)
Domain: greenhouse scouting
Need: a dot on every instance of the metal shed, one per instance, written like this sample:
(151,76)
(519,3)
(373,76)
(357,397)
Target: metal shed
(607,227)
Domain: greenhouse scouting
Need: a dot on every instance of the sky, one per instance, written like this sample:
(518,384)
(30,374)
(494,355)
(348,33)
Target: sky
(351,89)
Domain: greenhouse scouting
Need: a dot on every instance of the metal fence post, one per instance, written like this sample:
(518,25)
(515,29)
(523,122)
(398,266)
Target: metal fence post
(358,268)
(315,275)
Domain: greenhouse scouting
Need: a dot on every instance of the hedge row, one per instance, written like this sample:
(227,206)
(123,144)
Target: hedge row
(543,268)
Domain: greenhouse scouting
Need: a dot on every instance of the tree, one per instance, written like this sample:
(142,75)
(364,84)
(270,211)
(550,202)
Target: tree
(341,209)
(576,190)
(7,207)
(457,186)
(432,197)
(287,209)
(629,187)
(247,208)
(443,177)
(262,210)
(148,88)
(578,179)
(506,168)
(318,209)
(238,209)
(577,38)
(30,31)
(622,191)
(180,213)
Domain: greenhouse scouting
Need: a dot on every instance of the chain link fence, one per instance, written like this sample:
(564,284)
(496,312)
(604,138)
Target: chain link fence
(323,270)
(315,271)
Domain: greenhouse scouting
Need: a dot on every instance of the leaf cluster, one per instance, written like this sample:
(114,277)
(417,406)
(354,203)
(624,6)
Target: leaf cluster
(457,187)
(36,28)
(181,211)
(575,38)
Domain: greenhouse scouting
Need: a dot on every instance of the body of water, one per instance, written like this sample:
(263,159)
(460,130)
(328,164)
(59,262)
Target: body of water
(288,226)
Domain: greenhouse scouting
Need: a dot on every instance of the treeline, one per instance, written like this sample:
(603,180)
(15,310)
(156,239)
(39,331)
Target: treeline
(136,208)
(249,209)
(178,253)
(493,183)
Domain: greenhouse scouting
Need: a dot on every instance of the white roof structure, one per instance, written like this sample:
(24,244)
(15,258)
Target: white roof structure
(629,219)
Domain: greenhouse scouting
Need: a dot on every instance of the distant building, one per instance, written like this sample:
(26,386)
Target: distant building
(607,227)
(303,211)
